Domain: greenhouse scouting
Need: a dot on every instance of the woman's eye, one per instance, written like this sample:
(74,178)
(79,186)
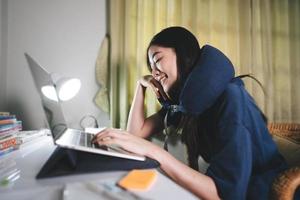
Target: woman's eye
(157,61)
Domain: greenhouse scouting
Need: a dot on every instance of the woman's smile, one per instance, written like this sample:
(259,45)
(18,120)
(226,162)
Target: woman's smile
(163,63)
(162,78)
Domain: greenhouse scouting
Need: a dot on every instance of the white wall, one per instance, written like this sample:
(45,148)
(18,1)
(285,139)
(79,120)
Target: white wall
(1,65)
(64,37)
(3,42)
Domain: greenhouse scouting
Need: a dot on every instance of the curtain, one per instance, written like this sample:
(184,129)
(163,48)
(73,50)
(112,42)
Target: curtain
(261,37)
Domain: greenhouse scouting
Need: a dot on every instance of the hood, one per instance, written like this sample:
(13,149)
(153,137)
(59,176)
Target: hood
(206,82)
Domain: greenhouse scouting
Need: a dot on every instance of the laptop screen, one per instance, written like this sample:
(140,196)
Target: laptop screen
(48,94)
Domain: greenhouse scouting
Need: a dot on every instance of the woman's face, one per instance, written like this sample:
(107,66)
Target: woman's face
(163,64)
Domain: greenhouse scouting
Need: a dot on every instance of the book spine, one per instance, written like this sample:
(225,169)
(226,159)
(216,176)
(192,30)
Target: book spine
(14,126)
(9,132)
(3,113)
(8,121)
(10,142)
(7,117)
(7,150)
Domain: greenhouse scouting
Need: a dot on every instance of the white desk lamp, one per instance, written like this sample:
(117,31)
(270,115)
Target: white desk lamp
(63,90)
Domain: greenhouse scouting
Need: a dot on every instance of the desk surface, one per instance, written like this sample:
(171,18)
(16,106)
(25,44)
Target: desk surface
(29,159)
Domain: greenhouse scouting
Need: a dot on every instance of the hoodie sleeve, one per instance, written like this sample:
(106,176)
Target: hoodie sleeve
(230,168)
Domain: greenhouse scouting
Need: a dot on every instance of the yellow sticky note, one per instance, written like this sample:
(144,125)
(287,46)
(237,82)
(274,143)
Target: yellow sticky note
(138,179)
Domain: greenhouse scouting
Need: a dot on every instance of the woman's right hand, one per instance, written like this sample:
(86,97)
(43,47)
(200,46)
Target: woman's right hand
(127,141)
(137,123)
(149,81)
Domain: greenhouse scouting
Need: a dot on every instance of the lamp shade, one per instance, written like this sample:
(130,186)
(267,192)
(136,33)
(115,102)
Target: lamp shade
(50,92)
(64,89)
(67,88)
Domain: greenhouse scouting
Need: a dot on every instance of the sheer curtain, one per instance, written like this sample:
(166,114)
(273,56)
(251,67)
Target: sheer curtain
(261,37)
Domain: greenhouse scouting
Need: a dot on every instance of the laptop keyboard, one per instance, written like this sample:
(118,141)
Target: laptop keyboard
(73,137)
(85,139)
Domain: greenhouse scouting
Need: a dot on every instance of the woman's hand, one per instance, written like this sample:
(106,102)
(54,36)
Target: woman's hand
(126,141)
(150,81)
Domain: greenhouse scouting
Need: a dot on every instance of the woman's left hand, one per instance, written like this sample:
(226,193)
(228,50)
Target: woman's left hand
(127,141)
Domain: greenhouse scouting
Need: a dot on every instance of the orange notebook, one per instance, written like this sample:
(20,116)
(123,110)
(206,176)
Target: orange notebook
(138,180)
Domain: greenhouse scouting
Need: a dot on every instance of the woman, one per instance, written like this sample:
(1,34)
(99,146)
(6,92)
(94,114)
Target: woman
(214,114)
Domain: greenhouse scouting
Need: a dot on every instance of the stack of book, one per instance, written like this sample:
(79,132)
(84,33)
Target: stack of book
(9,127)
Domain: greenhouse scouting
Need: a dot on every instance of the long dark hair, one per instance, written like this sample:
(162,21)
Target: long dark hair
(187,50)
(193,128)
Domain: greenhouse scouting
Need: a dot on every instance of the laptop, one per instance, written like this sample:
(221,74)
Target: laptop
(62,135)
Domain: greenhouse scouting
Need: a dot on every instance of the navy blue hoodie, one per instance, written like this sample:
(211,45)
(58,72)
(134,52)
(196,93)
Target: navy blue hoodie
(236,143)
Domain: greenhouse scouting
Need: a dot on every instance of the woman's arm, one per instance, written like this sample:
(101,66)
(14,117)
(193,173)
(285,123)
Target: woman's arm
(199,184)
(137,123)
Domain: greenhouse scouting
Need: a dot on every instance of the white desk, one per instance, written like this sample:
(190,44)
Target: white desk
(30,158)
